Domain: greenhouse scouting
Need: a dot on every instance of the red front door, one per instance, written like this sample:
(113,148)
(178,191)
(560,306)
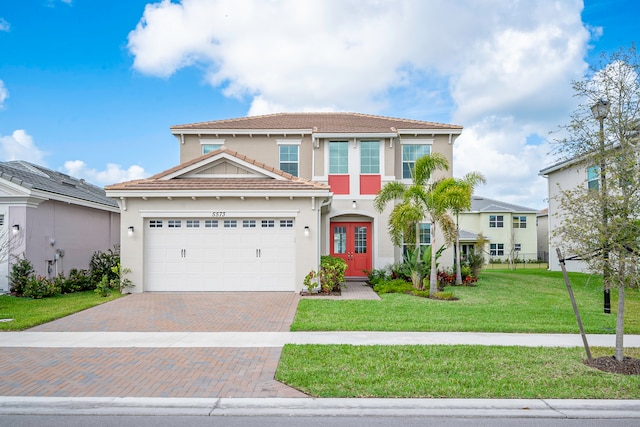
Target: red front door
(351,241)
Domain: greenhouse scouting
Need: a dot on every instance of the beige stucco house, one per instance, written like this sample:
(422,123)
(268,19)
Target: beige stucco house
(510,229)
(256,201)
(54,220)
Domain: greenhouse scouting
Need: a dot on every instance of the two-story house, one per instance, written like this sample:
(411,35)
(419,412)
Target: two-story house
(256,201)
(561,176)
(510,229)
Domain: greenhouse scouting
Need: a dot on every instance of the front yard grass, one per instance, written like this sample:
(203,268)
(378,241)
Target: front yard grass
(27,312)
(526,301)
(451,372)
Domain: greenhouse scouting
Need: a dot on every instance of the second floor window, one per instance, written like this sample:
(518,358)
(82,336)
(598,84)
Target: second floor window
(519,222)
(338,157)
(289,155)
(411,153)
(370,157)
(593,178)
(496,221)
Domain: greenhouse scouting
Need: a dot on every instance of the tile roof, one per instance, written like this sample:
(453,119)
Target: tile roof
(159,183)
(489,205)
(37,177)
(318,123)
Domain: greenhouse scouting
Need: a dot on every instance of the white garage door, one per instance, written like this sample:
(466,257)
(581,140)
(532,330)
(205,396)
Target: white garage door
(191,254)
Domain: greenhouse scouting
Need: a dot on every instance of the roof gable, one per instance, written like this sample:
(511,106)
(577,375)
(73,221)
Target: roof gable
(221,171)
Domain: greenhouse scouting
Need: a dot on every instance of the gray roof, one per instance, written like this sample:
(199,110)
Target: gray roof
(468,236)
(35,177)
(482,204)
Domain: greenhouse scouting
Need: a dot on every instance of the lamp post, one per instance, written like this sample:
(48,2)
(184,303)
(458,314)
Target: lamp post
(600,111)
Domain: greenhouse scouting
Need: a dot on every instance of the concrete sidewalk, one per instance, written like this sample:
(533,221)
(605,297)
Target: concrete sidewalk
(450,408)
(279,339)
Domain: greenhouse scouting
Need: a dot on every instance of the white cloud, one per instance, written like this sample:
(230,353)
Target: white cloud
(508,66)
(111,175)
(19,146)
(4,25)
(4,94)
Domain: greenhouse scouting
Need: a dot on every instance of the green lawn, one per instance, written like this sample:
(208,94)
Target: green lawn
(525,300)
(451,372)
(27,312)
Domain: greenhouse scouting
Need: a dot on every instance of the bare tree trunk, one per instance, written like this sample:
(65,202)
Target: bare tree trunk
(620,324)
(433,277)
(458,255)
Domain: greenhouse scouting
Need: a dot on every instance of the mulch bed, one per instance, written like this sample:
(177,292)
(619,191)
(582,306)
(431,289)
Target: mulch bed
(321,294)
(628,366)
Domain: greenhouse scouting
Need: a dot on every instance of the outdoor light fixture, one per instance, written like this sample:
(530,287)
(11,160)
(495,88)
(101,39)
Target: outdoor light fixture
(130,231)
(306,231)
(354,205)
(600,109)
(15,229)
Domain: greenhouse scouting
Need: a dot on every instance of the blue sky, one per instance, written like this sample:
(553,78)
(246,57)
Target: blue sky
(90,88)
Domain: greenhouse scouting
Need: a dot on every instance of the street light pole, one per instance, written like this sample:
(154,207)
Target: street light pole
(600,112)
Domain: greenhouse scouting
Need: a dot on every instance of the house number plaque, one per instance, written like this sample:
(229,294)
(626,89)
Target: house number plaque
(218,214)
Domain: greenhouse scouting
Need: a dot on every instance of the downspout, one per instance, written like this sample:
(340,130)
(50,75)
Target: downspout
(327,202)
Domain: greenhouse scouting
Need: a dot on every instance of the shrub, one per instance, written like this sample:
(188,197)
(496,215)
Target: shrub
(40,287)
(311,281)
(332,271)
(78,281)
(102,264)
(400,270)
(21,272)
(447,296)
(103,288)
(394,286)
(120,282)
(375,276)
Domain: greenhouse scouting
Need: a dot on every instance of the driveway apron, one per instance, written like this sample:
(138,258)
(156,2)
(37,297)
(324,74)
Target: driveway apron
(158,372)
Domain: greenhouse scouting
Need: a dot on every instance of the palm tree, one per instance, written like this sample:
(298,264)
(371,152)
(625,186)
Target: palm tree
(418,202)
(457,193)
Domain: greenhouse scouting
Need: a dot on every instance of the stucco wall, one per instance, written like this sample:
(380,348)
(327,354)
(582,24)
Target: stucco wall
(53,226)
(304,212)
(563,179)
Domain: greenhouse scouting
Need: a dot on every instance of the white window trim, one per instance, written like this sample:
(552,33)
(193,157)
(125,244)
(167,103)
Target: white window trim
(297,142)
(288,141)
(211,141)
(413,142)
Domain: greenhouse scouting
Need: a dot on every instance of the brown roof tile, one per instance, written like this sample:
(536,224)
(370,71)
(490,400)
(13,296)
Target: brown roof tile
(317,123)
(156,182)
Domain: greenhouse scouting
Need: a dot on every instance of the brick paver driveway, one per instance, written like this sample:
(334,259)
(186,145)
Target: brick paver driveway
(157,372)
(185,312)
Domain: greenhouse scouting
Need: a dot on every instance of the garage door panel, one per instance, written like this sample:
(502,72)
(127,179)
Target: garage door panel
(248,257)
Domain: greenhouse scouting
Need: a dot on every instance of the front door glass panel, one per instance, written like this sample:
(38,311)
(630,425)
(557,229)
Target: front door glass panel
(339,240)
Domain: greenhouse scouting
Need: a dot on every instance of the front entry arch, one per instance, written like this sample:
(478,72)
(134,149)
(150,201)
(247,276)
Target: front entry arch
(351,241)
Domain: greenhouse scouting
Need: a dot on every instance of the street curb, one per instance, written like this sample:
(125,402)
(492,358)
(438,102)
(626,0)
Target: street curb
(513,408)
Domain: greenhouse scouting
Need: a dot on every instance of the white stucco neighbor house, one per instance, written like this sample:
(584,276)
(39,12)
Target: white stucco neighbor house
(54,220)
(561,176)
(509,228)
(256,201)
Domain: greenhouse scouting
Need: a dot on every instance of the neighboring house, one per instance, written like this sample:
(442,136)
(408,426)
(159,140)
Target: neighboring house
(256,201)
(562,176)
(542,226)
(510,229)
(55,221)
